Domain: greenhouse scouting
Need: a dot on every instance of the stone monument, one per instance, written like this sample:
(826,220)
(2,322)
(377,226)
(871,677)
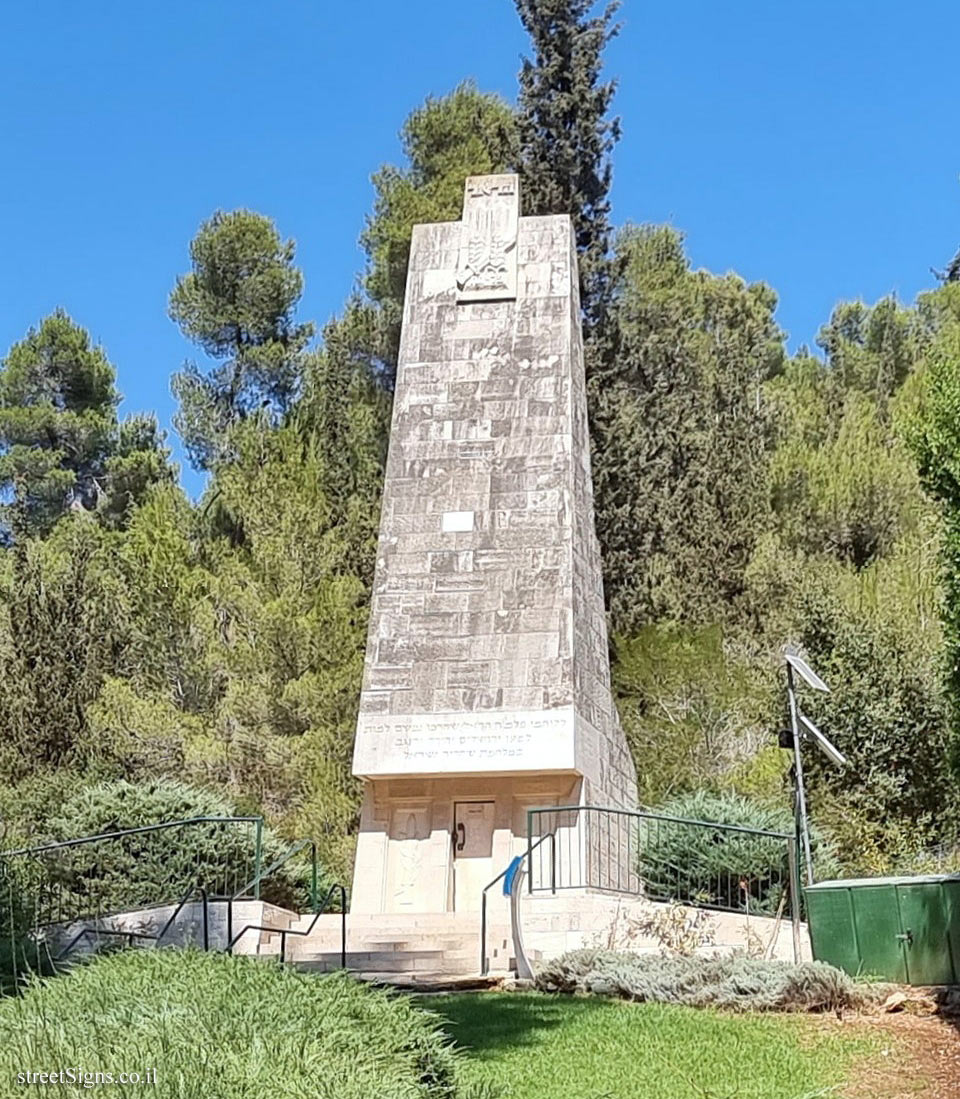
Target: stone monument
(486,687)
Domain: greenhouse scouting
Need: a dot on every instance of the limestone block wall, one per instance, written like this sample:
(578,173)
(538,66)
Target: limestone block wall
(487,649)
(552,925)
(187,929)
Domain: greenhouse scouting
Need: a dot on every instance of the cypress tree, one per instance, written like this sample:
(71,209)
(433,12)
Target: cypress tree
(566,136)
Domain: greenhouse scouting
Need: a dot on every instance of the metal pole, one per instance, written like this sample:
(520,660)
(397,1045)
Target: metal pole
(343,928)
(530,850)
(553,861)
(313,877)
(483,934)
(803,831)
(794,872)
(258,859)
(206,920)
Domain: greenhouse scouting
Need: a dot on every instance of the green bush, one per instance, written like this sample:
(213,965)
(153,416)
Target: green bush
(720,868)
(734,982)
(153,867)
(233,1028)
(20,955)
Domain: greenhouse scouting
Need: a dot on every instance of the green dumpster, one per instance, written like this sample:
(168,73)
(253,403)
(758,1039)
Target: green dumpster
(900,929)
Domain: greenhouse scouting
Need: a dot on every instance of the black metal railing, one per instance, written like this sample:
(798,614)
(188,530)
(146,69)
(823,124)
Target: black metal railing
(700,863)
(337,888)
(92,879)
(134,868)
(132,936)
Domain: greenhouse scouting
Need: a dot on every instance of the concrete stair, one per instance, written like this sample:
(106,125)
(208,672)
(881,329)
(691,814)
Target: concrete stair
(417,947)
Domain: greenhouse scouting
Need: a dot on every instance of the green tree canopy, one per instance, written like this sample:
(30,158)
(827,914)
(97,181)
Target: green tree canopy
(58,404)
(68,618)
(842,481)
(465,133)
(566,136)
(238,305)
(681,434)
(61,445)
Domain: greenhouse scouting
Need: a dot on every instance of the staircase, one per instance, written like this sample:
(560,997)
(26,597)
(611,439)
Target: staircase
(407,948)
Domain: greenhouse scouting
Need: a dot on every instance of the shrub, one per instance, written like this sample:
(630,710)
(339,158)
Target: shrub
(153,867)
(734,982)
(234,1028)
(715,867)
(20,955)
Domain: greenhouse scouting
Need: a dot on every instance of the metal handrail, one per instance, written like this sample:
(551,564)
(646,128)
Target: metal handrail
(6,856)
(284,932)
(649,814)
(80,840)
(593,814)
(176,912)
(484,966)
(98,931)
(254,883)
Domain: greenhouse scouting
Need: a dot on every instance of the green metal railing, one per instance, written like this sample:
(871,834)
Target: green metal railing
(253,887)
(694,862)
(87,880)
(335,890)
(112,872)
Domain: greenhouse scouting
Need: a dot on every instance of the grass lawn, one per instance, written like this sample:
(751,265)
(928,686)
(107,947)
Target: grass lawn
(544,1047)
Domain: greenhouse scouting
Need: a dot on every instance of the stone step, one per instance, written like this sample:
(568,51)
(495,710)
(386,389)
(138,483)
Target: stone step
(428,961)
(391,926)
(356,935)
(442,943)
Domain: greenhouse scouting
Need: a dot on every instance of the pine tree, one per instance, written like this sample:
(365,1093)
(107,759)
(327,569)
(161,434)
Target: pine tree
(68,622)
(344,419)
(238,305)
(566,136)
(935,440)
(465,133)
(61,446)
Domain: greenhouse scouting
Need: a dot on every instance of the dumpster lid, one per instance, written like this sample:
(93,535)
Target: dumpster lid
(906,879)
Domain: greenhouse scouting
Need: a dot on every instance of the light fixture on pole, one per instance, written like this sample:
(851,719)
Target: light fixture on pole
(802,728)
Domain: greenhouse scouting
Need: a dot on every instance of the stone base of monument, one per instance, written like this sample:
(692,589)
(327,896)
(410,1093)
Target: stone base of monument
(578,919)
(425,948)
(429,949)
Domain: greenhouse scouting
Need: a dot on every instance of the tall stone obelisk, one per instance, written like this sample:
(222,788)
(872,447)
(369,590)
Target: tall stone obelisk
(486,688)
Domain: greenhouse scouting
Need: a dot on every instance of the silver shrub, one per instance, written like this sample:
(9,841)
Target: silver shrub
(733,982)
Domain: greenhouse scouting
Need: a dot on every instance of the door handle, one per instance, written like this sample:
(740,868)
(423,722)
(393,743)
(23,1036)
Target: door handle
(906,937)
(459,845)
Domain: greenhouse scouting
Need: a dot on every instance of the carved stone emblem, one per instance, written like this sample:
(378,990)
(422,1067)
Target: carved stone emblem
(487,267)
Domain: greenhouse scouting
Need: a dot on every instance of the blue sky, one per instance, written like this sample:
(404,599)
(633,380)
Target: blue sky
(814,146)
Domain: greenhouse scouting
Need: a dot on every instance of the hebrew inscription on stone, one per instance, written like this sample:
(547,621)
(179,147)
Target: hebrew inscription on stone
(504,740)
(487,267)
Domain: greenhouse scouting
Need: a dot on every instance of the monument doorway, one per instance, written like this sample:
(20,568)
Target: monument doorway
(472,852)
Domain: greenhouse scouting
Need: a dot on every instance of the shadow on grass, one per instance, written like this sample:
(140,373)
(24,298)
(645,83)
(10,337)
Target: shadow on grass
(490,1023)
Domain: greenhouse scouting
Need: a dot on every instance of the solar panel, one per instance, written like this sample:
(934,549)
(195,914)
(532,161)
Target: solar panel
(803,669)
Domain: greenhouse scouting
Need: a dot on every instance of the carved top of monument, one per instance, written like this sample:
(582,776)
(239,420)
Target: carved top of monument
(487,267)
